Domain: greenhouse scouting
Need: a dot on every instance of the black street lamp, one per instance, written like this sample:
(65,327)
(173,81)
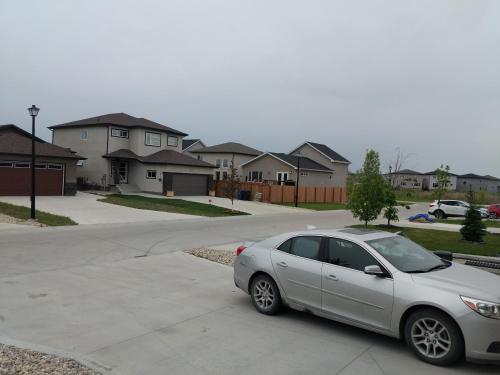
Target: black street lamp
(33,110)
(297,182)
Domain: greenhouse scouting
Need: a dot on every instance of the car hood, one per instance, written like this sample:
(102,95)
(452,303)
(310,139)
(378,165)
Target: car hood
(464,280)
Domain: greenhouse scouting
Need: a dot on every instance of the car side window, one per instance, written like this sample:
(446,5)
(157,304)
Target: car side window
(285,246)
(306,247)
(348,254)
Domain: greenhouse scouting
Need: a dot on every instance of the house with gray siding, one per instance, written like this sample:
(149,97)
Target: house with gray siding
(222,155)
(477,183)
(133,153)
(406,179)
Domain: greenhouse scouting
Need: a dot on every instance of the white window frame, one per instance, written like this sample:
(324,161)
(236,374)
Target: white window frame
(149,174)
(225,163)
(172,141)
(283,179)
(259,176)
(149,140)
(119,133)
(6,164)
(84,135)
(218,163)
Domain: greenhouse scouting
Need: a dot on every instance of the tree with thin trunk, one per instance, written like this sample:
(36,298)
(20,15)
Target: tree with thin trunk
(232,184)
(391,206)
(443,180)
(367,197)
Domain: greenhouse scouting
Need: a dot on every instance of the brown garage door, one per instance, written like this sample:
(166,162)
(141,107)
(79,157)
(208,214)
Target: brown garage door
(186,184)
(15,178)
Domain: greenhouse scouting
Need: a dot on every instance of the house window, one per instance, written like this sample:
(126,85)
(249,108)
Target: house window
(172,141)
(435,184)
(225,163)
(79,163)
(22,165)
(55,166)
(224,175)
(199,157)
(84,135)
(151,175)
(217,176)
(255,176)
(153,139)
(217,163)
(121,133)
(41,166)
(6,164)
(281,177)
(303,174)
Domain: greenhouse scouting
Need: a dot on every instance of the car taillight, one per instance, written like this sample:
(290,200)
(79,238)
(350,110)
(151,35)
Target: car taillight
(240,249)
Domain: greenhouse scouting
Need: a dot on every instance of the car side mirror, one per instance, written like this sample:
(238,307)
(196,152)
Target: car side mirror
(374,270)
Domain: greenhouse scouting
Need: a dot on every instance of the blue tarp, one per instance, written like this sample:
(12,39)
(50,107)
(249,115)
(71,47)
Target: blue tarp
(421,217)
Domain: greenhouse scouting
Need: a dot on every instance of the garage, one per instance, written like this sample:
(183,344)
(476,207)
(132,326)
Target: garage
(184,184)
(55,167)
(15,177)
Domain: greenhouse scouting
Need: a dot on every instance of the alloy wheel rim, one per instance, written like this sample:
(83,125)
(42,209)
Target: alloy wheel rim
(263,294)
(431,338)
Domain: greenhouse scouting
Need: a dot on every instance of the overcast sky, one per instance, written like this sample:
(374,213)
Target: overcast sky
(420,75)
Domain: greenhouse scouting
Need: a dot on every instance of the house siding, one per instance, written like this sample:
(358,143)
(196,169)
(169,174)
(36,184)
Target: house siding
(339,177)
(478,184)
(270,166)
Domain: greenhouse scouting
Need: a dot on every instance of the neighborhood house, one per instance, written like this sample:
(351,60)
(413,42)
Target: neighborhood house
(133,154)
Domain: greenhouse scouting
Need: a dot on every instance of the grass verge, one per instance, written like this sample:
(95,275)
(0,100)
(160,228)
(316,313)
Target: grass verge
(443,240)
(488,223)
(318,206)
(177,206)
(24,213)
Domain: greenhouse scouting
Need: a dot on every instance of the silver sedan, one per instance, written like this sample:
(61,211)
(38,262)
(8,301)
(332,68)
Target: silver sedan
(379,281)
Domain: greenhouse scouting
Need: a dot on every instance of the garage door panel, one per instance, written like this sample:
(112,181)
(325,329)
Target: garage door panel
(189,184)
(17,181)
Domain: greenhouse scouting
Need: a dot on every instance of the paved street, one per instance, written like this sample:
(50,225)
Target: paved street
(84,290)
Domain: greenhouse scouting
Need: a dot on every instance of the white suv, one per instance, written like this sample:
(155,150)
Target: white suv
(445,208)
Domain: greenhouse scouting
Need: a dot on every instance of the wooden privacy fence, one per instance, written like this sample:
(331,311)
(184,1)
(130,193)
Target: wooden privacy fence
(286,194)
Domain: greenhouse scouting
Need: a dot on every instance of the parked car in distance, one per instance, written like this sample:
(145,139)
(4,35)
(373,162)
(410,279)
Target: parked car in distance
(447,208)
(484,212)
(378,281)
(494,211)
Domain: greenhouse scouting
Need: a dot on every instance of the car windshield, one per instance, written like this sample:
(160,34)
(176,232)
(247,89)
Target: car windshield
(406,255)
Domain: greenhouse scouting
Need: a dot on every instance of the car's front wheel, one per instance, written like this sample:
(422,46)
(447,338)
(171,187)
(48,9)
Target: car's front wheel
(265,295)
(434,337)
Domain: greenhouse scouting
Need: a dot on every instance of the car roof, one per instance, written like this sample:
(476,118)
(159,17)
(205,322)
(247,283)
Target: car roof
(358,234)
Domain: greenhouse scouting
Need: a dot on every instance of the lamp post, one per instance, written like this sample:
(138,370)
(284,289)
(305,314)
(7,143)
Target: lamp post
(33,111)
(297,182)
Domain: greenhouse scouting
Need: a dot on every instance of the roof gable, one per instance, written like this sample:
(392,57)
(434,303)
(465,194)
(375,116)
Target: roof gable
(230,148)
(324,150)
(292,161)
(160,157)
(118,119)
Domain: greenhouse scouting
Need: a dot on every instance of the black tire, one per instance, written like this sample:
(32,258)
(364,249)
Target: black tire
(262,291)
(439,214)
(452,334)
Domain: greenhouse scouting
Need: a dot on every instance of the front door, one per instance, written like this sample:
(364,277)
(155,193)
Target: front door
(282,177)
(298,268)
(120,171)
(350,293)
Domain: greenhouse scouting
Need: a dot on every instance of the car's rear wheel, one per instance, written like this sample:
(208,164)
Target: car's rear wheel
(434,337)
(265,295)
(439,214)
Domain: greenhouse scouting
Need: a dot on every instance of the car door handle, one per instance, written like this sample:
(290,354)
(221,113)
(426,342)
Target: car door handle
(332,277)
(282,264)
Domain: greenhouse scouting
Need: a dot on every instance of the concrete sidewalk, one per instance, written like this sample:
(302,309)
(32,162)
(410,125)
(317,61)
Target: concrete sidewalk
(84,208)
(439,226)
(251,207)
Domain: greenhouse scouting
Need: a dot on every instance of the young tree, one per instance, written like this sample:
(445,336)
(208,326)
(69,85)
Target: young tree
(443,180)
(473,229)
(367,197)
(391,209)
(231,185)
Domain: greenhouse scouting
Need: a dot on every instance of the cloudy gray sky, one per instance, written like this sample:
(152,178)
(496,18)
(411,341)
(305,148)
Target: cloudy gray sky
(420,75)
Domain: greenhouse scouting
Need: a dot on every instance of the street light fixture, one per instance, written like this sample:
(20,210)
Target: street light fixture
(33,111)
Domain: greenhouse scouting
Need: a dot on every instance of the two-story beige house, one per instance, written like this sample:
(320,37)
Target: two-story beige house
(223,155)
(316,165)
(133,153)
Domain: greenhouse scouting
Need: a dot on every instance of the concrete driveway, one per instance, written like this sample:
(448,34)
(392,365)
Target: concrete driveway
(85,209)
(254,208)
(177,314)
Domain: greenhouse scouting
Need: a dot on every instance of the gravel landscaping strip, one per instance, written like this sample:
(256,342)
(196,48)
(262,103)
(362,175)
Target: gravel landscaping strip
(14,360)
(12,220)
(220,256)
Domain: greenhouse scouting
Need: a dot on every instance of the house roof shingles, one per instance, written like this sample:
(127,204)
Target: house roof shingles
(119,119)
(230,148)
(406,171)
(16,141)
(305,163)
(328,152)
(474,176)
(160,157)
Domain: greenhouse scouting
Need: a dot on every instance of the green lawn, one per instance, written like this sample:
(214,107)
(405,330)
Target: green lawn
(318,206)
(177,206)
(24,213)
(442,240)
(488,223)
